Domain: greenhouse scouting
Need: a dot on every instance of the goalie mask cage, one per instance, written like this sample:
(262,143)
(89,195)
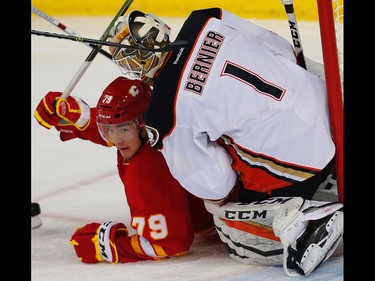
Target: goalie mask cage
(331,20)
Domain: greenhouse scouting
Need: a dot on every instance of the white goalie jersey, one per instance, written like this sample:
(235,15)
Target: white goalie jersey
(235,102)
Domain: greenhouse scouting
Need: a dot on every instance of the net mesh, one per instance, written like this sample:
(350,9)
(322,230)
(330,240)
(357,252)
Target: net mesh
(338,15)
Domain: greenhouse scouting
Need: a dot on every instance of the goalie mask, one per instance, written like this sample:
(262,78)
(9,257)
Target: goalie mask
(141,30)
(122,102)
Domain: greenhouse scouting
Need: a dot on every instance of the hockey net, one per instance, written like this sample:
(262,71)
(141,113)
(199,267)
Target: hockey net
(331,20)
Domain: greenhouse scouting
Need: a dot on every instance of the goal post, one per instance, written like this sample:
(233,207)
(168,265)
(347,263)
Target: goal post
(330,14)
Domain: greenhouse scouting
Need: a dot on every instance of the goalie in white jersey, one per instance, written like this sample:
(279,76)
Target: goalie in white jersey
(237,119)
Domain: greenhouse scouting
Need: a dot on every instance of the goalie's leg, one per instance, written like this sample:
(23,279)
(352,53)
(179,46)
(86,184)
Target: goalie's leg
(309,231)
(249,243)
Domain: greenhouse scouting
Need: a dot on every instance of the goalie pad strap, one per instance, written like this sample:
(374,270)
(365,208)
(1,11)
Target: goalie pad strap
(254,228)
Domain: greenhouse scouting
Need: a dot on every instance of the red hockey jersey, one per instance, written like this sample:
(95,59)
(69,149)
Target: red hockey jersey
(163,214)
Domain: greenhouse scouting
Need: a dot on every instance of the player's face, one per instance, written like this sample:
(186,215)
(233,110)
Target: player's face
(125,137)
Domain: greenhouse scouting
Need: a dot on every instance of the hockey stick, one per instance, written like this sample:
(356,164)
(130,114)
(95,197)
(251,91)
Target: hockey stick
(94,51)
(289,9)
(65,28)
(173,46)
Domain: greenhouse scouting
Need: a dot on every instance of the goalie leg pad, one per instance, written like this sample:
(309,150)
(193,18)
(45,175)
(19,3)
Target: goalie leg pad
(309,231)
(249,248)
(259,211)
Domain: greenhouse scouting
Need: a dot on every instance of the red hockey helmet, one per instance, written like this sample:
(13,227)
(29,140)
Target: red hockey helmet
(123,100)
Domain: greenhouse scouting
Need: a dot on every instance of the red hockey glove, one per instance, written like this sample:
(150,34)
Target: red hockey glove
(96,242)
(53,111)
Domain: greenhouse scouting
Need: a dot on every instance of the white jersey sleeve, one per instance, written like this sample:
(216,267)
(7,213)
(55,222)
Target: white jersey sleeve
(202,167)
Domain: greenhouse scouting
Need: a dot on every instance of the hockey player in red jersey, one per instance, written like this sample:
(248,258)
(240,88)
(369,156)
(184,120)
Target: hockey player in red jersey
(232,110)
(164,215)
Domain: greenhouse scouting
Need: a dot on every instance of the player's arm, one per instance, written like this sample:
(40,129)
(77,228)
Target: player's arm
(110,242)
(160,217)
(71,116)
